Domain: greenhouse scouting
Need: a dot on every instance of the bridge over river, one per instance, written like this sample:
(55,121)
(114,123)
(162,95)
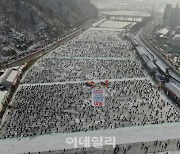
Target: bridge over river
(130,16)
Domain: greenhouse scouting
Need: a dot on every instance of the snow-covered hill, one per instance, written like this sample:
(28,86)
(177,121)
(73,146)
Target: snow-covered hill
(25,22)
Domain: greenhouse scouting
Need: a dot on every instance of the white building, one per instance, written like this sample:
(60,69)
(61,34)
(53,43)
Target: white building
(175,41)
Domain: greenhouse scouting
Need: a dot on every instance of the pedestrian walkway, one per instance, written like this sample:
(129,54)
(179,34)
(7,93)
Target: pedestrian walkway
(123,136)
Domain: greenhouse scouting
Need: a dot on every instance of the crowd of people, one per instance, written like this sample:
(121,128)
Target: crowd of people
(50,70)
(62,107)
(41,109)
(90,47)
(95,43)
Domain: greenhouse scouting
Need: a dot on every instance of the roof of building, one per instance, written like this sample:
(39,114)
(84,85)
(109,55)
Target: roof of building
(174,88)
(141,51)
(163,31)
(145,58)
(161,66)
(152,66)
(4,75)
(2,96)
(12,76)
(177,37)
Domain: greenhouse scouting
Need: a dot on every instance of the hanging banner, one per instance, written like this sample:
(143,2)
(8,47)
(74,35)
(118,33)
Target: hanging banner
(98,97)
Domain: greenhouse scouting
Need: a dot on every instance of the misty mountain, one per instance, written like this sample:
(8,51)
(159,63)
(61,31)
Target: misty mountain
(23,22)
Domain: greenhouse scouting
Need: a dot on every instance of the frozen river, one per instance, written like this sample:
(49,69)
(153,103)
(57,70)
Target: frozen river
(115,24)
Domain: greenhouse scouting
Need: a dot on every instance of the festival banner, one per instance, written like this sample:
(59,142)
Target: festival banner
(98,97)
